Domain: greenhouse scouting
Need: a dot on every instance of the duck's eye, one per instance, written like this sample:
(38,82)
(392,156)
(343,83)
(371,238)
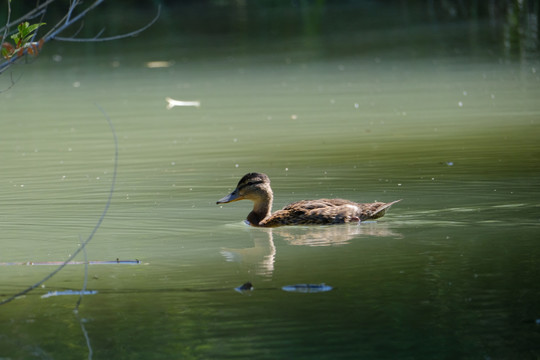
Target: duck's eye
(251,183)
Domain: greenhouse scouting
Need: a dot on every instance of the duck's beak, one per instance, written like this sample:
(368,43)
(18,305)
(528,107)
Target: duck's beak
(234,196)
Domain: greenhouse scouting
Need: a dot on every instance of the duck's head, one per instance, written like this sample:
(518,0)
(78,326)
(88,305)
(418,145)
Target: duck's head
(253,186)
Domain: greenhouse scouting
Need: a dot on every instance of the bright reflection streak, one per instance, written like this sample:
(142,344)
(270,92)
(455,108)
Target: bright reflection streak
(159,64)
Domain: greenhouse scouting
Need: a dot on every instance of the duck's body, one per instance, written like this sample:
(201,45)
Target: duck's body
(256,187)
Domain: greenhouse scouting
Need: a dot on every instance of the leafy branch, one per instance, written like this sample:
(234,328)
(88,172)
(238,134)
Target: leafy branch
(26,33)
(23,41)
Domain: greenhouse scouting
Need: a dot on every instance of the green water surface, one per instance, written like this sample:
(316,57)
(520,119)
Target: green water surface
(418,112)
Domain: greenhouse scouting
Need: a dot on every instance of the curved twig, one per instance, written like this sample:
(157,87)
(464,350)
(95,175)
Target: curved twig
(96,227)
(110,38)
(6,28)
(12,82)
(68,20)
(33,13)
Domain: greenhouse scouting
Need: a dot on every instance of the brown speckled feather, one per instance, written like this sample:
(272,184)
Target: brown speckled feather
(325,211)
(256,187)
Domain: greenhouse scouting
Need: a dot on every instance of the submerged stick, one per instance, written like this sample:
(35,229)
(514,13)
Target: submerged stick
(83,290)
(70,292)
(96,227)
(92,262)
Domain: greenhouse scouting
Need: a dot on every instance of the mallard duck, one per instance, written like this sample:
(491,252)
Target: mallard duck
(256,187)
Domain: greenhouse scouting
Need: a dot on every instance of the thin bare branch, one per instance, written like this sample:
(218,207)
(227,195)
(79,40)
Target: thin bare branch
(70,21)
(71,18)
(6,28)
(79,29)
(94,230)
(29,15)
(70,11)
(12,82)
(110,38)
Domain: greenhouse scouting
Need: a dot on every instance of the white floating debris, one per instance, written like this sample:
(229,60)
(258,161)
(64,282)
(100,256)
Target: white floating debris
(172,103)
(307,288)
(69,292)
(159,64)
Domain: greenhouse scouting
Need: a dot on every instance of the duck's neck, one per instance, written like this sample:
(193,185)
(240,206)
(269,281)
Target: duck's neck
(262,208)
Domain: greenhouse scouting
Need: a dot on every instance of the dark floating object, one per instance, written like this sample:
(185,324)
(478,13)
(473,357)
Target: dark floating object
(299,288)
(307,288)
(245,287)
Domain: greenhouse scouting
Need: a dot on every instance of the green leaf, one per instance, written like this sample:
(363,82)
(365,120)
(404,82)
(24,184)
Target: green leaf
(34,26)
(15,38)
(23,28)
(25,33)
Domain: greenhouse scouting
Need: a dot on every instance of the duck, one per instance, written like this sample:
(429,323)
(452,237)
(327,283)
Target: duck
(256,187)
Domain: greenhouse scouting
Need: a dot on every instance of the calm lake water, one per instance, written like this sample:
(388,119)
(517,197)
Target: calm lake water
(440,113)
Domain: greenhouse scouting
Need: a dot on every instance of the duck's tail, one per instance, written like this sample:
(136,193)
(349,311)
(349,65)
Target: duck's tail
(382,209)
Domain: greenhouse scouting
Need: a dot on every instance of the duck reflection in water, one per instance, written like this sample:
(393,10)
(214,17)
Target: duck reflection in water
(260,259)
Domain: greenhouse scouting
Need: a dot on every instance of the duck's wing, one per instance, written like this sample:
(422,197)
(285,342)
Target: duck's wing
(314,212)
(326,211)
(317,204)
